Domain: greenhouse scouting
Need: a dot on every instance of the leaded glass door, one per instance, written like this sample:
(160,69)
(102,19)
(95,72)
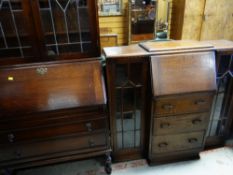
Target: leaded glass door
(45,30)
(69,27)
(221,118)
(16,37)
(128,84)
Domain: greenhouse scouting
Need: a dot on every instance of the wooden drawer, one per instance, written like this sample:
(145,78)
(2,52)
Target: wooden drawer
(170,143)
(183,104)
(20,151)
(180,123)
(36,133)
(29,120)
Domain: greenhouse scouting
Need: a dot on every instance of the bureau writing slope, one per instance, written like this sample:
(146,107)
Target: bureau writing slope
(183,87)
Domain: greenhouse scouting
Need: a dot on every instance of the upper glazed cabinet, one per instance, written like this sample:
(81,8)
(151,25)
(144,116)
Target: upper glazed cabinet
(37,30)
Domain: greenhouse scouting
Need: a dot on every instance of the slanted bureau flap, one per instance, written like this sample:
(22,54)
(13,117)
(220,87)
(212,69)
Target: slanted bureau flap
(51,87)
(183,73)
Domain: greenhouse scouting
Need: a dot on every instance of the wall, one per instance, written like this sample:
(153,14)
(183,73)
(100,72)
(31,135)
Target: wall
(202,20)
(116,24)
(119,24)
(193,16)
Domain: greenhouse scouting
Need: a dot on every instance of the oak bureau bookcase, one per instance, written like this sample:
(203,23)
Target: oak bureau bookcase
(52,100)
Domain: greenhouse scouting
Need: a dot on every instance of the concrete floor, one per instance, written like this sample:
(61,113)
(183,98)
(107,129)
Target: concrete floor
(213,162)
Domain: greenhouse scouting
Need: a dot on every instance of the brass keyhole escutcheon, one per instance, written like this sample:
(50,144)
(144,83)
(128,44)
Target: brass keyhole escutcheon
(10,78)
(41,70)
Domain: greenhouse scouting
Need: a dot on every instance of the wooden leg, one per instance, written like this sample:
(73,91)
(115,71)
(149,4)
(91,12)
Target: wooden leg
(108,164)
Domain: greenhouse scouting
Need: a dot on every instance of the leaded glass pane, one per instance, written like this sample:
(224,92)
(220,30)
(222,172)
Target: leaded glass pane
(14,35)
(66,26)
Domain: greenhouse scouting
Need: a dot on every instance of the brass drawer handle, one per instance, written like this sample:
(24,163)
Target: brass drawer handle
(163,145)
(18,154)
(164,125)
(11,138)
(192,140)
(89,127)
(91,143)
(168,106)
(196,121)
(200,102)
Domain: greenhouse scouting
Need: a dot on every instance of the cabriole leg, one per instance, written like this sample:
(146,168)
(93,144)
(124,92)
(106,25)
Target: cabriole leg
(108,164)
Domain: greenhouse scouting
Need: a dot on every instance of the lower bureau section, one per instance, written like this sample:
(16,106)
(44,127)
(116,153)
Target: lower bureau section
(179,142)
(56,116)
(74,144)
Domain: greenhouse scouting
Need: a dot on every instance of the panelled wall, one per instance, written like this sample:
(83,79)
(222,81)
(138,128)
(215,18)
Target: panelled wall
(217,20)
(115,25)
(202,19)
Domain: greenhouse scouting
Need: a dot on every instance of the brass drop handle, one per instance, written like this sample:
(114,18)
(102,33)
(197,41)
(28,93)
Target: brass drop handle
(89,127)
(196,121)
(192,140)
(18,154)
(200,102)
(164,125)
(91,143)
(168,106)
(41,70)
(11,138)
(163,145)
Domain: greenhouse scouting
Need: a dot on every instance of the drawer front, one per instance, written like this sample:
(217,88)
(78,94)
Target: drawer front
(17,152)
(170,143)
(16,136)
(183,104)
(46,118)
(180,123)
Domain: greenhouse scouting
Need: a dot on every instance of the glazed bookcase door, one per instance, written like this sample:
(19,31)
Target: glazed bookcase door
(16,40)
(127,109)
(221,119)
(69,27)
